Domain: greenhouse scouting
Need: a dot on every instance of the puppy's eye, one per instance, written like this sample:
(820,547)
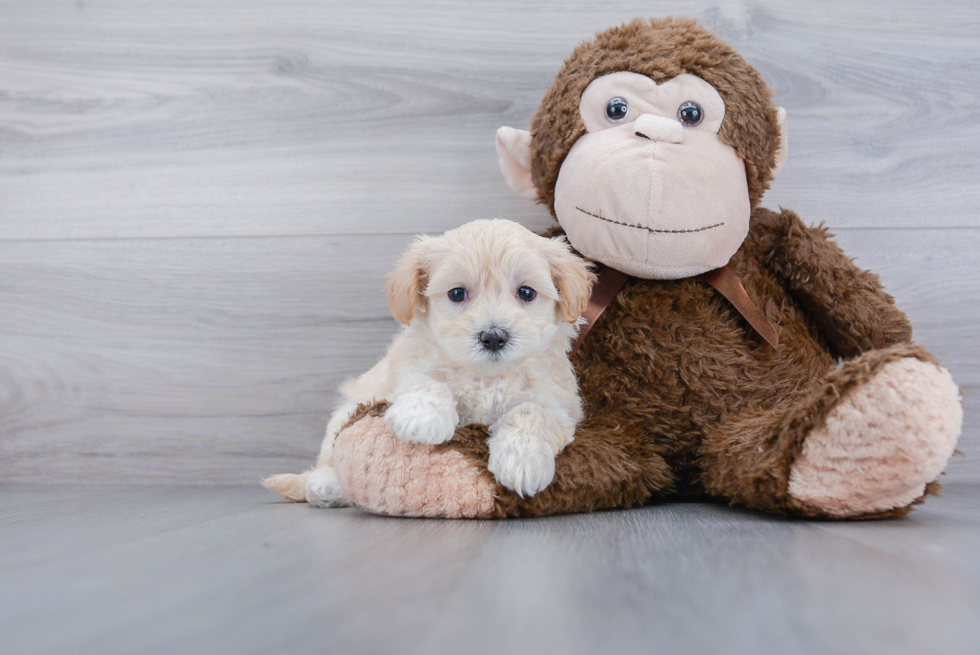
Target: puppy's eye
(616,110)
(458,294)
(527,294)
(690,114)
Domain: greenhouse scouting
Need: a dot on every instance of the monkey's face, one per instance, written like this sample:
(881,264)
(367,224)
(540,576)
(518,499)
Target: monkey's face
(650,189)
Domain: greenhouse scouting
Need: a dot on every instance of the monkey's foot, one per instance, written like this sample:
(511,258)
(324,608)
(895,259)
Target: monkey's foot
(386,475)
(882,443)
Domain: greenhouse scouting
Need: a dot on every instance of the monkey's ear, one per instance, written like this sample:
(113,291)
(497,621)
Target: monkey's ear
(783,150)
(406,283)
(514,153)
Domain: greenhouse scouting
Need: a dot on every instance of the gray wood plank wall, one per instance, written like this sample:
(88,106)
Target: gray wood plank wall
(199,199)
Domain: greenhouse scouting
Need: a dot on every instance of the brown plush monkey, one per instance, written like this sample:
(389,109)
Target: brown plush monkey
(653,148)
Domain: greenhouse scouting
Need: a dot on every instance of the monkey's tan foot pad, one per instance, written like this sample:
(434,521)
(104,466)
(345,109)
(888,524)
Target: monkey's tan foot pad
(883,443)
(386,475)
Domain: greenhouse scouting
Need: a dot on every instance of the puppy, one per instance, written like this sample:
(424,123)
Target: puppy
(489,312)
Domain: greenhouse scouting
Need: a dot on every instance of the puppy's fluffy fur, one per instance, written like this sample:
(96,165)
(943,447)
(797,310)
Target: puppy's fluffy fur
(448,367)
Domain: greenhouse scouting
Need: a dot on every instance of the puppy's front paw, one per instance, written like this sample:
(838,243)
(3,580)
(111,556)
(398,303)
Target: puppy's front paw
(523,464)
(422,418)
(323,489)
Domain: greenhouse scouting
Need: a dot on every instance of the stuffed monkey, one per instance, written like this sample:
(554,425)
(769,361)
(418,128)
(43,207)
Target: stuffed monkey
(740,355)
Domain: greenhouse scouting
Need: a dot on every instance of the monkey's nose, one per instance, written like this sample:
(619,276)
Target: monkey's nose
(658,128)
(493,339)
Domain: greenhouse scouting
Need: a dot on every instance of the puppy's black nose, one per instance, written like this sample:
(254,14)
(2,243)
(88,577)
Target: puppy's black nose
(493,339)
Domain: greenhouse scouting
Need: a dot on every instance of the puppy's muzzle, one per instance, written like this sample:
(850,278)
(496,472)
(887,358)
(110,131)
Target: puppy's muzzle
(493,339)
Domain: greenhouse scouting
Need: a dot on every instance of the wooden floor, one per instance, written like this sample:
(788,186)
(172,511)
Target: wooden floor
(231,570)
(199,200)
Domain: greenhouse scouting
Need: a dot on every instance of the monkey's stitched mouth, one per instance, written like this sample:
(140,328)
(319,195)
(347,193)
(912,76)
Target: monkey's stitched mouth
(649,229)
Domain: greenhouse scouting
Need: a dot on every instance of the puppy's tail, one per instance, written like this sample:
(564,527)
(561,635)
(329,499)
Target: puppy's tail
(291,486)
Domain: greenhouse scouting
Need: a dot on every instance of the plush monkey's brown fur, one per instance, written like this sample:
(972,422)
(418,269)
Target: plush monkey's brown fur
(661,49)
(681,396)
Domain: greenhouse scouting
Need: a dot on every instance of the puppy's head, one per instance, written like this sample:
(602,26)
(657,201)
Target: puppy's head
(492,292)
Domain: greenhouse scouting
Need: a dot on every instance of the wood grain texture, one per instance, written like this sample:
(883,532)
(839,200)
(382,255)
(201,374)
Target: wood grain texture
(199,200)
(249,118)
(217,360)
(182,359)
(231,570)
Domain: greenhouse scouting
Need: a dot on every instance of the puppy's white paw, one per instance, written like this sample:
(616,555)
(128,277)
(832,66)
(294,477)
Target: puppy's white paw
(422,418)
(521,463)
(323,489)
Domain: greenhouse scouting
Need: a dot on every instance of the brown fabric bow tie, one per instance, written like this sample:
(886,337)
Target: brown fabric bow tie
(722,279)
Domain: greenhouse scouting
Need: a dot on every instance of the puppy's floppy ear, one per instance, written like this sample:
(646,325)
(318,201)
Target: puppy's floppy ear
(573,278)
(406,283)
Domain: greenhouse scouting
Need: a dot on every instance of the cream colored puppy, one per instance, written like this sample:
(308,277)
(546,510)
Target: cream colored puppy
(490,311)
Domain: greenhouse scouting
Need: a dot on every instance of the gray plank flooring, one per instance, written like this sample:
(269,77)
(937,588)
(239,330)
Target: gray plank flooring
(178,569)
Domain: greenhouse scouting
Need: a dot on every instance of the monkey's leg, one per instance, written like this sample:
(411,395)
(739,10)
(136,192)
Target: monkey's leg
(865,440)
(607,465)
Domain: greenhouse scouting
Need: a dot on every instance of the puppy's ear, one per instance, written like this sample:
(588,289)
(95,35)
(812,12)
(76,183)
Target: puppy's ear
(406,283)
(573,278)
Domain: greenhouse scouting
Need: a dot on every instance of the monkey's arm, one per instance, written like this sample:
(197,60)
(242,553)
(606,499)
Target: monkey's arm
(848,304)
(610,464)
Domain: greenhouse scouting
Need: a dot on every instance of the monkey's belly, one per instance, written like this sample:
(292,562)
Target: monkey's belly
(674,359)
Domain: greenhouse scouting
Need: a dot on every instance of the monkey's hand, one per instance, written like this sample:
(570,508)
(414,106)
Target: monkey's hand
(386,475)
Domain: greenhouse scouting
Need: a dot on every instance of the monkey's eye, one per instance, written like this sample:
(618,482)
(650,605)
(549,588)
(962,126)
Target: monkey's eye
(527,294)
(690,113)
(616,110)
(457,295)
